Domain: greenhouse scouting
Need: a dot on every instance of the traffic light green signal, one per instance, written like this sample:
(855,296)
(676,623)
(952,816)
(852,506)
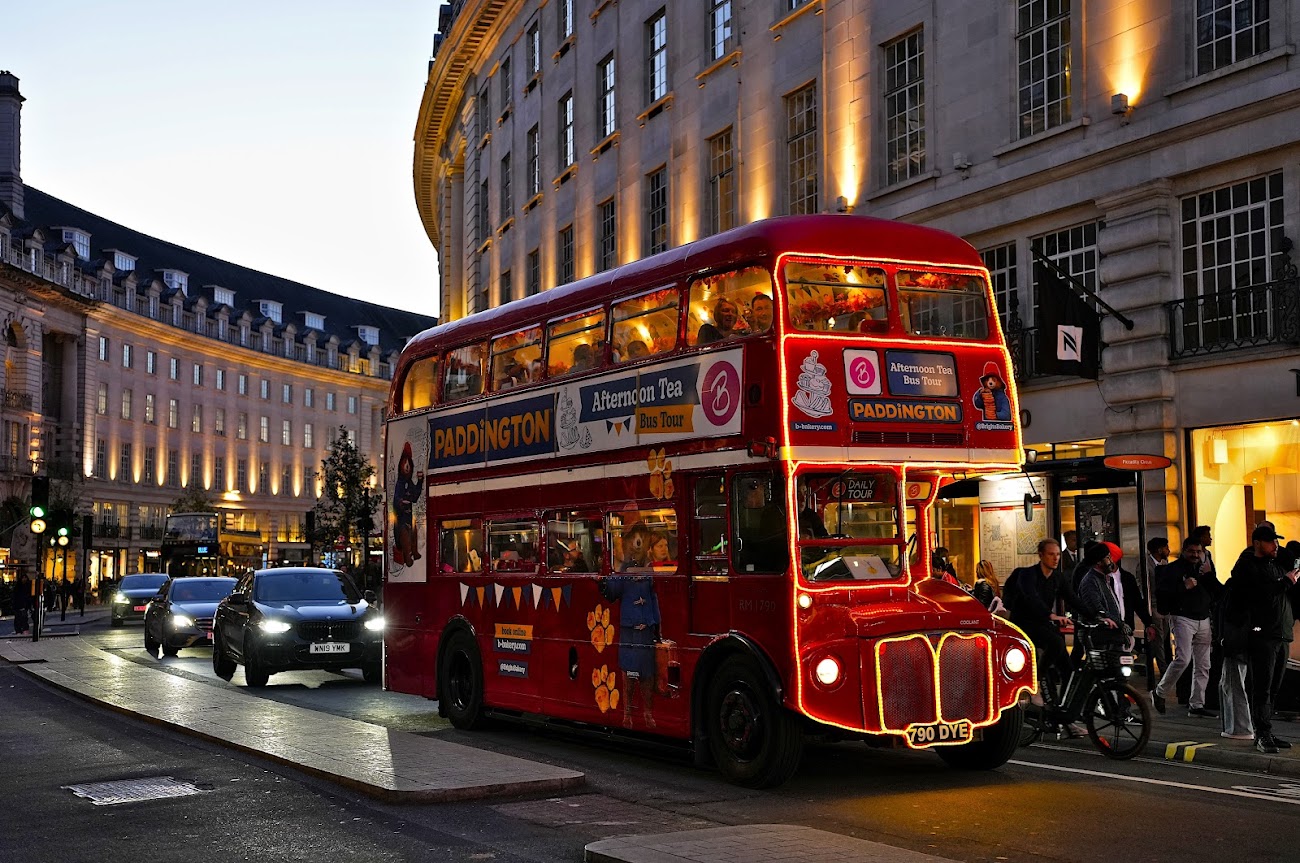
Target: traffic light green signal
(40,503)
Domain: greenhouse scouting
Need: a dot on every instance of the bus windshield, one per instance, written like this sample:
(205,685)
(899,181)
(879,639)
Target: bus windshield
(848,526)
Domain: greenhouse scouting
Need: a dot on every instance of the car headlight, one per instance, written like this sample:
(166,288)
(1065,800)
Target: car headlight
(274,626)
(1014,661)
(828,671)
(120,599)
(179,620)
(375,623)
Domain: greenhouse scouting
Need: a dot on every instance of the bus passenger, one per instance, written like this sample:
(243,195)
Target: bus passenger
(725,315)
(660,553)
(763,545)
(636,349)
(583,358)
(761,309)
(571,558)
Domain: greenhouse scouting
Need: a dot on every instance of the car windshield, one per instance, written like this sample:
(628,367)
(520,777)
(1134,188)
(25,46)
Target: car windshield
(202,590)
(142,582)
(321,585)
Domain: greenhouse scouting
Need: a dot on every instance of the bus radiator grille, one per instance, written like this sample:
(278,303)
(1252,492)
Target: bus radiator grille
(886,438)
(323,630)
(964,670)
(906,672)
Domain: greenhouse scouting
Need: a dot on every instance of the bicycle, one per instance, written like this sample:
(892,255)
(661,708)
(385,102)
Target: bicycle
(1098,694)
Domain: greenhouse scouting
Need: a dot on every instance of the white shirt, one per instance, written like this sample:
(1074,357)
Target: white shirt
(1117,585)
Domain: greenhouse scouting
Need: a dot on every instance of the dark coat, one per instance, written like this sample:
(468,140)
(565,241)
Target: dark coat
(1173,597)
(1267,596)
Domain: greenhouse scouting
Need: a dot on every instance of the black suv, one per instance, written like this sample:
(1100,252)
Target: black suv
(297,618)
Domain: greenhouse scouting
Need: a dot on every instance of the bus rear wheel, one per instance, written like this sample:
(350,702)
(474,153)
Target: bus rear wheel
(996,746)
(754,741)
(460,682)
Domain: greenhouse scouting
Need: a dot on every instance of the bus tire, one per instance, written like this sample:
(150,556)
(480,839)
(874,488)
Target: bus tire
(460,682)
(255,674)
(755,742)
(222,665)
(996,746)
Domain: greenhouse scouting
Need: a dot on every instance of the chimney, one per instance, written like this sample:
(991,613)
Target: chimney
(11,107)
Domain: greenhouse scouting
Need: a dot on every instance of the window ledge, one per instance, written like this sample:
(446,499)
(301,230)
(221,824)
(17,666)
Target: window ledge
(505,113)
(601,7)
(1240,66)
(485,140)
(565,175)
(533,202)
(793,14)
(655,108)
(505,226)
(904,184)
(610,140)
(564,47)
(730,58)
(1078,123)
(532,83)
(483,246)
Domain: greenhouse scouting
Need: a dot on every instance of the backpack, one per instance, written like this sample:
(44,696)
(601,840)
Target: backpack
(1232,614)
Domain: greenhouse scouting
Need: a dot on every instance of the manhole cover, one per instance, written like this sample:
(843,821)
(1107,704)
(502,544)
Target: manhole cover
(133,790)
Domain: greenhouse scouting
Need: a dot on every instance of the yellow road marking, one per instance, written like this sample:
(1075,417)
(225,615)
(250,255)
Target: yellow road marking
(1190,752)
(1171,751)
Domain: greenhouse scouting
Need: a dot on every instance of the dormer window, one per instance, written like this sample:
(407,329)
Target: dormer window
(270,309)
(313,321)
(177,281)
(223,296)
(369,335)
(122,262)
(80,241)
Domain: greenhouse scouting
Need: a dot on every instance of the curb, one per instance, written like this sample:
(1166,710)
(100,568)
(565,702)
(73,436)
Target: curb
(1205,753)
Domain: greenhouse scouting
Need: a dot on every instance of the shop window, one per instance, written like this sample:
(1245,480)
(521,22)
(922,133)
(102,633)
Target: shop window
(730,305)
(464,373)
(517,359)
(646,326)
(643,540)
(512,546)
(840,298)
(574,543)
(459,545)
(576,343)
(417,388)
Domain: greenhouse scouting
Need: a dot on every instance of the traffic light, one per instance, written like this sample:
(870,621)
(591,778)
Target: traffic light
(40,503)
(62,523)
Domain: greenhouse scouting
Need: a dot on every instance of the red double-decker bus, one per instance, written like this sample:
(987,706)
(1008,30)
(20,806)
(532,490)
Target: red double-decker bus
(692,496)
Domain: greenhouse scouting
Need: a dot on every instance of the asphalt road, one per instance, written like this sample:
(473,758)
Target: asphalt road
(1048,804)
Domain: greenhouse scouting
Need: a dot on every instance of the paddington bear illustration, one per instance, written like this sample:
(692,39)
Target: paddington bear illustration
(991,399)
(406,492)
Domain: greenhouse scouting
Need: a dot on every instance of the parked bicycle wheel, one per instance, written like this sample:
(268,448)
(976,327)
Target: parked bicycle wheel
(1118,719)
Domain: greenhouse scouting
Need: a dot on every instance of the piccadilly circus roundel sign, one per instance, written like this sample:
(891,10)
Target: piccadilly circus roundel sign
(1136,462)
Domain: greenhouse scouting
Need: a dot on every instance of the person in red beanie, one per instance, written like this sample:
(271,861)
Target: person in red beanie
(1131,597)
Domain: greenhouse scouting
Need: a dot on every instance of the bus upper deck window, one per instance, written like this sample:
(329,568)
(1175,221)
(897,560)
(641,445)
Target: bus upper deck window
(517,358)
(646,325)
(839,298)
(463,376)
(951,305)
(576,343)
(417,388)
(730,305)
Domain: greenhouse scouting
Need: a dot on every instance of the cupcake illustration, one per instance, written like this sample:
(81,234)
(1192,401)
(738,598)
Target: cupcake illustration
(813,397)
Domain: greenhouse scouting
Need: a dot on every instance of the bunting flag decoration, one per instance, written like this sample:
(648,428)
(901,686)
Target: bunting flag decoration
(479,592)
(618,426)
(517,593)
(464,592)
(537,596)
(566,591)
(555,596)
(500,591)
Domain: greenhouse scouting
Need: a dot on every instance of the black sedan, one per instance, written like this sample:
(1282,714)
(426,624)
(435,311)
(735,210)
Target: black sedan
(133,596)
(180,615)
(296,618)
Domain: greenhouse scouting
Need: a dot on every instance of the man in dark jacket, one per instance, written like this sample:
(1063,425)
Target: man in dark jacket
(1031,594)
(1186,591)
(1267,592)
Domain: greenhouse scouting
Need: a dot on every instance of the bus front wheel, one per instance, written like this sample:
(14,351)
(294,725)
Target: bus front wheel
(996,746)
(754,741)
(460,682)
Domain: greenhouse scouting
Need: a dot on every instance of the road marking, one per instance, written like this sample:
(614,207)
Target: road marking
(1164,783)
(1190,752)
(1171,751)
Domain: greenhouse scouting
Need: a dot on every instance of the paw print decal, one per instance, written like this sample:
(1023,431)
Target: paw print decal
(606,692)
(602,633)
(661,475)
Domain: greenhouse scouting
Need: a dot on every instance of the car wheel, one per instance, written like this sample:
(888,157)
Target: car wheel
(460,682)
(115,622)
(755,741)
(222,666)
(170,651)
(255,674)
(150,643)
(372,673)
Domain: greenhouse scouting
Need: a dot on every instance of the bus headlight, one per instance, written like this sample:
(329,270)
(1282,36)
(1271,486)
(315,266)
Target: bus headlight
(180,620)
(1014,660)
(828,671)
(274,626)
(375,623)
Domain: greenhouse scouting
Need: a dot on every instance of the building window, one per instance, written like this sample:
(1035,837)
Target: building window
(264,429)
(534,52)
(1001,262)
(568,154)
(103,348)
(266,389)
(566,19)
(150,362)
(174,369)
(196,471)
(656,204)
(173,468)
(149,408)
(219,480)
(507,202)
(128,356)
(101,402)
(264,478)
(150,456)
(101,458)
(506,90)
(534,283)
(198,374)
(801,150)
(722,183)
(329,401)
(1074,250)
(608,106)
(241,427)
(503,289)
(124,462)
(534,162)
(1043,64)
(608,237)
(352,404)
(173,413)
(306,435)
(904,108)
(243,385)
(286,432)
(286,393)
(719,29)
(484,214)
(221,379)
(219,423)
(1228,31)
(656,35)
(564,255)
(1231,237)
(196,421)
(241,475)
(126,404)
(308,397)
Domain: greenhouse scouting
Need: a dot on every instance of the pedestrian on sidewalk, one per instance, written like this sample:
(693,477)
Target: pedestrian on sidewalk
(23,603)
(1186,590)
(1269,593)
(1233,632)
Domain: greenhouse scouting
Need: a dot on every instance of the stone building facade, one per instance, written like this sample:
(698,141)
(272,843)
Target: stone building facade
(135,369)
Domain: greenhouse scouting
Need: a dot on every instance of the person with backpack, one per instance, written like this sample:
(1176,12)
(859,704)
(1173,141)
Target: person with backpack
(1268,594)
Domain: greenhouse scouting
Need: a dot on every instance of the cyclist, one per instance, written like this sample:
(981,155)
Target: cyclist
(1031,595)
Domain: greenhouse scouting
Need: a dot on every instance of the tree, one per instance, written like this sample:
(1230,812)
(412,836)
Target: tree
(345,512)
(193,499)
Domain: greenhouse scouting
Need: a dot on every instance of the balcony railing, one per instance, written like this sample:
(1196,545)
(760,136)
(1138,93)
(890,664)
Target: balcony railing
(1267,314)
(17,399)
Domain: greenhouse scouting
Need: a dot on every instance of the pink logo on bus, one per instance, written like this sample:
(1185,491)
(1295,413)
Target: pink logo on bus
(720,393)
(862,372)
